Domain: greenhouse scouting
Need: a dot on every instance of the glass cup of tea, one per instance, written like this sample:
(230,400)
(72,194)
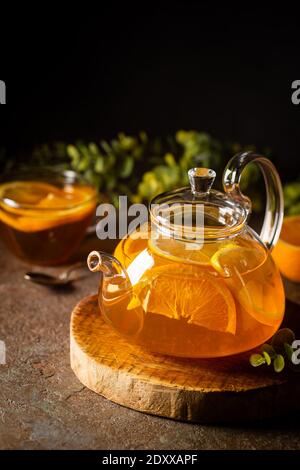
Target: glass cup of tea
(44,214)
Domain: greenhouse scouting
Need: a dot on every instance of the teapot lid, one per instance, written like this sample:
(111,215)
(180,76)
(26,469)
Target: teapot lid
(198,212)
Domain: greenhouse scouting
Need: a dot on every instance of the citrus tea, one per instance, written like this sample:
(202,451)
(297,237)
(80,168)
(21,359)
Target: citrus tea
(196,280)
(222,299)
(43,223)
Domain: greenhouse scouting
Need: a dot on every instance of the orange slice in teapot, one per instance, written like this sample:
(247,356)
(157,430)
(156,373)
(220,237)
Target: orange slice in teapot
(177,293)
(179,251)
(248,272)
(262,301)
(232,258)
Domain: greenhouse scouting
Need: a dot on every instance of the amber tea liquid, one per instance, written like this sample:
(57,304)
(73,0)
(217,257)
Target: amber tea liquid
(42,223)
(222,299)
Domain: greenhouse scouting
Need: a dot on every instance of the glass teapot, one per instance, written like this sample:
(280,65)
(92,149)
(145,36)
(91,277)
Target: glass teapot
(197,281)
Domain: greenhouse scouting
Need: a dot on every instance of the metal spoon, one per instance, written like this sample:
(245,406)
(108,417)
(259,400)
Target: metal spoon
(62,279)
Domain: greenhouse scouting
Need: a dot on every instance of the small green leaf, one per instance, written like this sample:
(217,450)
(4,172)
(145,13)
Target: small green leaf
(106,147)
(269,350)
(285,335)
(278,363)
(99,164)
(257,360)
(83,164)
(267,358)
(137,153)
(292,191)
(170,160)
(74,154)
(127,142)
(143,137)
(111,181)
(93,148)
(288,351)
(126,167)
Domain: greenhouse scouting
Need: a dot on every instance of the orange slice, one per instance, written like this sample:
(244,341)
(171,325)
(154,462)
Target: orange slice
(199,298)
(262,301)
(27,192)
(232,258)
(48,206)
(286,253)
(176,250)
(249,277)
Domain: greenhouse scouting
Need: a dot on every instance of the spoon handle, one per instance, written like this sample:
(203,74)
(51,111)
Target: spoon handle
(73,267)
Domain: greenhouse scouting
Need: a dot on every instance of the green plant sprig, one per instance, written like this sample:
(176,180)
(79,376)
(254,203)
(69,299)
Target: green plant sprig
(279,353)
(138,166)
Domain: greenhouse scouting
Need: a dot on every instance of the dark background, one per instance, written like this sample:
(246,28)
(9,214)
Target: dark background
(182,65)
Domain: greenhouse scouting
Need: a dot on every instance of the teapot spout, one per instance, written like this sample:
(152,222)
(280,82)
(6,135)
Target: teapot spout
(115,282)
(99,261)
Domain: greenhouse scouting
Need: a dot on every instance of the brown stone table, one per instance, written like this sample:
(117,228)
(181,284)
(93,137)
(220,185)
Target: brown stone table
(43,405)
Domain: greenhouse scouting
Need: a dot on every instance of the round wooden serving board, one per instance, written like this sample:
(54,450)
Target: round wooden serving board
(199,390)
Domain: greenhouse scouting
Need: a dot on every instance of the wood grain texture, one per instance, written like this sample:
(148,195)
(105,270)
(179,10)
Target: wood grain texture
(198,390)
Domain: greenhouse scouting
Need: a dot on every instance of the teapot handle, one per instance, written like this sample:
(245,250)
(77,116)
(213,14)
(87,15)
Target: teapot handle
(274,203)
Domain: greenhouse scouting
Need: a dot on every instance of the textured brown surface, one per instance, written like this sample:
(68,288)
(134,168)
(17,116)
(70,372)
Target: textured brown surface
(44,406)
(223,389)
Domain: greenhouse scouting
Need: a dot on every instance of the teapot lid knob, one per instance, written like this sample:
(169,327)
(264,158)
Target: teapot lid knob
(201,180)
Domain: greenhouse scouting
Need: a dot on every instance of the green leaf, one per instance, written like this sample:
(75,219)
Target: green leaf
(109,160)
(269,350)
(115,199)
(106,147)
(279,363)
(126,167)
(60,150)
(291,191)
(74,154)
(143,137)
(288,351)
(111,181)
(257,360)
(83,163)
(93,178)
(127,143)
(99,164)
(167,176)
(170,160)
(93,148)
(267,358)
(137,153)
(284,335)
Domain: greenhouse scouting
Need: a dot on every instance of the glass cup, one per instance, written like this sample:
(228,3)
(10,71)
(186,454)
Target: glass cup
(44,214)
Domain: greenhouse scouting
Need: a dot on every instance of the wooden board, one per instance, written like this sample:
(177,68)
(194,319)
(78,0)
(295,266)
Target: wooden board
(206,390)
